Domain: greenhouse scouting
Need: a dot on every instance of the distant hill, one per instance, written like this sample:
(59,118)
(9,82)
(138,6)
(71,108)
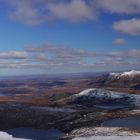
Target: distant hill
(129,79)
(95,96)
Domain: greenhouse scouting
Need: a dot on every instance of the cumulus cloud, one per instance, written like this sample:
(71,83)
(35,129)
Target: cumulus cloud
(74,11)
(119,6)
(34,12)
(119,41)
(27,11)
(130,27)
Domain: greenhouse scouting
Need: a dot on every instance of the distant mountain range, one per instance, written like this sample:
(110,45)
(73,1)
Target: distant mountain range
(126,79)
(129,79)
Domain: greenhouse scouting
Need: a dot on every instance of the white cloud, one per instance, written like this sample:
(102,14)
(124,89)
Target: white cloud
(119,6)
(50,57)
(134,53)
(115,54)
(26,11)
(130,27)
(63,57)
(119,41)
(13,55)
(74,11)
(33,12)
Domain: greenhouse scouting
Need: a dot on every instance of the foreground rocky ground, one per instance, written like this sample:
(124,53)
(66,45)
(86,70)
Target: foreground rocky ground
(88,132)
(67,119)
(82,116)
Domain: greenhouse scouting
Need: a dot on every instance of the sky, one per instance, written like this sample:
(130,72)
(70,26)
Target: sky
(69,36)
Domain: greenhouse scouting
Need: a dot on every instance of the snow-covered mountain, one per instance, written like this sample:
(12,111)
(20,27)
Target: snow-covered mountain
(129,80)
(130,74)
(96,96)
(100,93)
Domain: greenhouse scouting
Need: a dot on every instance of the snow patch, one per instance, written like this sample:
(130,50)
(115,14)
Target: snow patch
(102,95)
(94,92)
(6,136)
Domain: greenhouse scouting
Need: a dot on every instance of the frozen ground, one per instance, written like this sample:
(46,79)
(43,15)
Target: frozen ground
(6,136)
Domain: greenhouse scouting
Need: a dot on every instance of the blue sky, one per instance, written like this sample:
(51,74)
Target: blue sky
(47,36)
